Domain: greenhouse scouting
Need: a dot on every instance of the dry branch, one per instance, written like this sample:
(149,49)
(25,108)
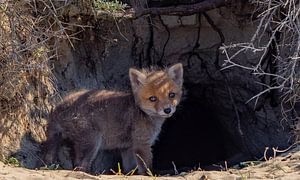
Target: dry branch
(277,41)
(182,10)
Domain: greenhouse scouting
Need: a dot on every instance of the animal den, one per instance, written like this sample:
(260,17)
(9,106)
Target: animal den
(214,122)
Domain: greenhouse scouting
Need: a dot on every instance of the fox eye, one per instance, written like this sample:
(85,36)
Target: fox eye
(171,95)
(152,98)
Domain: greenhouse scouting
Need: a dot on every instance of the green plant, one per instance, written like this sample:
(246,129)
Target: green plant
(12,161)
(109,6)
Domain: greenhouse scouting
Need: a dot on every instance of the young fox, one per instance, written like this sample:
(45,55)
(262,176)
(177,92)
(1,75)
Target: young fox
(130,122)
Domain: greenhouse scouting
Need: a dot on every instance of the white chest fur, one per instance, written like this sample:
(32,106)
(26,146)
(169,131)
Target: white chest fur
(156,130)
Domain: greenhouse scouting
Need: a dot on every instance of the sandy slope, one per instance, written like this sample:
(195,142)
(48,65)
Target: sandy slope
(286,166)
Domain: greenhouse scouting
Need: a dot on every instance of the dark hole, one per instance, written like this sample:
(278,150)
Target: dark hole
(192,138)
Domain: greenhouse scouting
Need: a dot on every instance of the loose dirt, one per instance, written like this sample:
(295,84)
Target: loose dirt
(284,166)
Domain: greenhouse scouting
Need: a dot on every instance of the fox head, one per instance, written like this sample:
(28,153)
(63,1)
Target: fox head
(158,92)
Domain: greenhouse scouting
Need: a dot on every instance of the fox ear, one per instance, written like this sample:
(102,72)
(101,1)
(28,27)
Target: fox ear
(137,78)
(176,73)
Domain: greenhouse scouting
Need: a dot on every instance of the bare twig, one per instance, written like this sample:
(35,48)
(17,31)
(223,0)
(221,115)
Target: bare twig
(278,29)
(175,169)
(182,10)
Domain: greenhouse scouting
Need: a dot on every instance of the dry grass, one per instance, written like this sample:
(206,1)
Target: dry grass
(29,32)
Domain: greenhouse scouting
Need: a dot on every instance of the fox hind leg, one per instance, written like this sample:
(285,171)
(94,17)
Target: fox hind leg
(51,148)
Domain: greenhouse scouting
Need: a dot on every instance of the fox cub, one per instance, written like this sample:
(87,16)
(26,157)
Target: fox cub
(129,122)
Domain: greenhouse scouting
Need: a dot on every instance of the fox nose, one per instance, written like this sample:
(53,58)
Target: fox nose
(167,110)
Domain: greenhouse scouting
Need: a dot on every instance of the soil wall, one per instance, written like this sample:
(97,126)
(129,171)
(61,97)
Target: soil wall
(214,123)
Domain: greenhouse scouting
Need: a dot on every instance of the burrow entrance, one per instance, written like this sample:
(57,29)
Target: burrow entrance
(196,136)
(193,138)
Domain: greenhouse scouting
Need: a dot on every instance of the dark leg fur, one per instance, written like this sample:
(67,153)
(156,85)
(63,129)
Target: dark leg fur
(144,159)
(128,160)
(51,147)
(85,153)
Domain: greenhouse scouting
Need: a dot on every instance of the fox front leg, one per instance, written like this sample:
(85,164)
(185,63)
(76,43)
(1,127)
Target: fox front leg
(144,159)
(128,160)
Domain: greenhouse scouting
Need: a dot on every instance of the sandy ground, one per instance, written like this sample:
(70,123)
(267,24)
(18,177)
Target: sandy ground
(285,166)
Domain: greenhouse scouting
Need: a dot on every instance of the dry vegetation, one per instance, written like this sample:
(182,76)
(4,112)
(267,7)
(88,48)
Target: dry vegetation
(278,66)
(25,75)
(29,31)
